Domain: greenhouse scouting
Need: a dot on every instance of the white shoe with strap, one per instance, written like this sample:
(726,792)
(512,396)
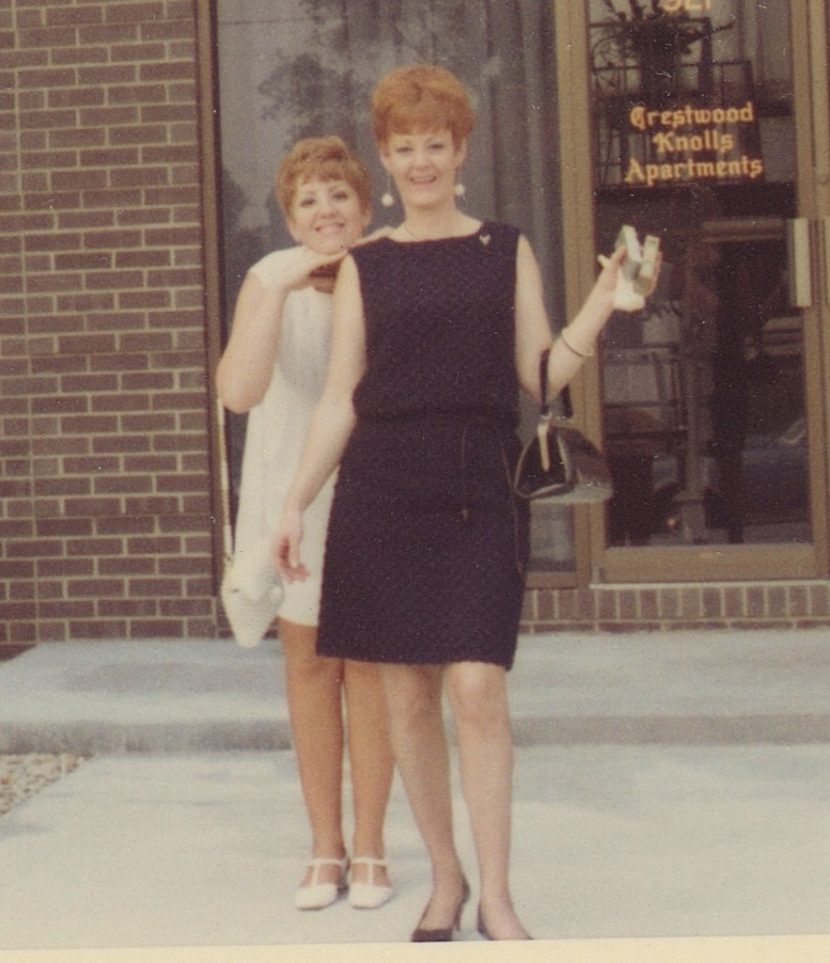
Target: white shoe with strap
(316,895)
(369,894)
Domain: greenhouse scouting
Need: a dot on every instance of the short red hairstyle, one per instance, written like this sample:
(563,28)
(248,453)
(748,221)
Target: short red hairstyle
(421,98)
(326,158)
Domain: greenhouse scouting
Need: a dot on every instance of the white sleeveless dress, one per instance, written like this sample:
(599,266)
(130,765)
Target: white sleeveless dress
(275,438)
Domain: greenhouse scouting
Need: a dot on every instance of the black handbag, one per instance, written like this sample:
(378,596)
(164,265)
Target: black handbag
(559,463)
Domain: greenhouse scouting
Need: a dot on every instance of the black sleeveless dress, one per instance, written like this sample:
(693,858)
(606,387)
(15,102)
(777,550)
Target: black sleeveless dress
(427,546)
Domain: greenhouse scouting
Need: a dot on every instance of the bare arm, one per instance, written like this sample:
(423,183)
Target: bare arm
(576,343)
(533,332)
(247,364)
(332,422)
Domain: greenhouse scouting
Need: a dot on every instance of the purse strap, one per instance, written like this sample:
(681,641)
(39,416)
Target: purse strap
(544,406)
(224,480)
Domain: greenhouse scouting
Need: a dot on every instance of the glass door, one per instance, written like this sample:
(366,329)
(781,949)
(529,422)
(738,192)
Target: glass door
(704,131)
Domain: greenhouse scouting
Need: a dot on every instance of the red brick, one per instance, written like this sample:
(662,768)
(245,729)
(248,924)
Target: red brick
(45,78)
(49,159)
(124,565)
(140,134)
(156,587)
(149,423)
(102,629)
(16,568)
(81,180)
(128,608)
(110,116)
(94,547)
(64,567)
(153,505)
(80,56)
(143,258)
(94,588)
(93,506)
(109,74)
(86,14)
(820,600)
(144,176)
(137,93)
(46,119)
(77,137)
(76,97)
(125,525)
(122,401)
(154,215)
(109,33)
(19,611)
(63,526)
(83,262)
(108,157)
(168,113)
(185,607)
(124,485)
(122,443)
(169,29)
(138,53)
(161,628)
(113,280)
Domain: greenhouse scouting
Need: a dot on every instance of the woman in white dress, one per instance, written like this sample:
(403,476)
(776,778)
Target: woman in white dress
(274,368)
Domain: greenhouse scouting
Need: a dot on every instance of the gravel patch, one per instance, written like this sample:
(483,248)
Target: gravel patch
(23,776)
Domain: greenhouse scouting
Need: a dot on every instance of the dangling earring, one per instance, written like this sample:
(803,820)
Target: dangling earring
(459,190)
(388,198)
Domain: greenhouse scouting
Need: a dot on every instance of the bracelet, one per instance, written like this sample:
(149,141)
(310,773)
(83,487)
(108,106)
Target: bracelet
(572,349)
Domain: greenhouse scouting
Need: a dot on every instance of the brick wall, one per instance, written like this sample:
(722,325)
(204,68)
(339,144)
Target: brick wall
(106,526)
(105,509)
(645,608)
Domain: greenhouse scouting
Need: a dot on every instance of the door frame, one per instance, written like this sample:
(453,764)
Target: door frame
(595,562)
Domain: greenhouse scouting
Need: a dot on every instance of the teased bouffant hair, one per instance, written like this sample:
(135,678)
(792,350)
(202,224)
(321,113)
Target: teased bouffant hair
(326,158)
(421,98)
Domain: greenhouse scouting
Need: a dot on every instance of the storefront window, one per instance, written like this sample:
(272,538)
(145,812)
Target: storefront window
(307,67)
(704,410)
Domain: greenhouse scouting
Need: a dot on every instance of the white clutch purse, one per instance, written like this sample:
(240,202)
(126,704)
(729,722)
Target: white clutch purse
(251,589)
(251,593)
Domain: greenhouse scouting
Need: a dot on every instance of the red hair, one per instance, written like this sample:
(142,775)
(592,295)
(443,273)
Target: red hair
(421,98)
(326,158)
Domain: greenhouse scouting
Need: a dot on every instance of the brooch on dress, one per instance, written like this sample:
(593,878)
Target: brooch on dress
(485,239)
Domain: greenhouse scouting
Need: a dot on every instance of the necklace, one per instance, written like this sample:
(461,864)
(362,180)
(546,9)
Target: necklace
(440,237)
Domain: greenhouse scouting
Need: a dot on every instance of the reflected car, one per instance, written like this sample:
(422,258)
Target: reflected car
(775,482)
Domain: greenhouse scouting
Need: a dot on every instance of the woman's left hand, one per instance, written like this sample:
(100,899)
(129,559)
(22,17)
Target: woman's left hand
(285,546)
(613,282)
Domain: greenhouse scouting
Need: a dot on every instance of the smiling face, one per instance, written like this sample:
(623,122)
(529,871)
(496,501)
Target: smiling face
(423,166)
(326,215)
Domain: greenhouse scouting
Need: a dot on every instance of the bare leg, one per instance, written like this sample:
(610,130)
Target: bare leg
(372,765)
(413,697)
(314,705)
(478,695)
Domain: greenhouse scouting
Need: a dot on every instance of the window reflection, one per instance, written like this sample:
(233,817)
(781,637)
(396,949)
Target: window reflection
(307,67)
(703,392)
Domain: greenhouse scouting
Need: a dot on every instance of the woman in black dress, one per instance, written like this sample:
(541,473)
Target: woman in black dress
(436,327)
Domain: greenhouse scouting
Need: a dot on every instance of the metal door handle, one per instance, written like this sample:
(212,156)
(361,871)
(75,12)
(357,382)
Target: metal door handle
(825,248)
(799,262)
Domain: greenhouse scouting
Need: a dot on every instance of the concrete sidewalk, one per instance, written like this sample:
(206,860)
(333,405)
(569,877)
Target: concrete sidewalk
(177,696)
(667,786)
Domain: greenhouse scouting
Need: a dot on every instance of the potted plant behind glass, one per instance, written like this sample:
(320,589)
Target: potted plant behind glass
(657,41)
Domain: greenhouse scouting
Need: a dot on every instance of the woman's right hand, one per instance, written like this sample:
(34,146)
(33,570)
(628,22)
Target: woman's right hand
(308,268)
(285,546)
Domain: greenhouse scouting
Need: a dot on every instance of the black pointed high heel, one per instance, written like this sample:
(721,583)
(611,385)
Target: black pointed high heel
(443,935)
(480,925)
